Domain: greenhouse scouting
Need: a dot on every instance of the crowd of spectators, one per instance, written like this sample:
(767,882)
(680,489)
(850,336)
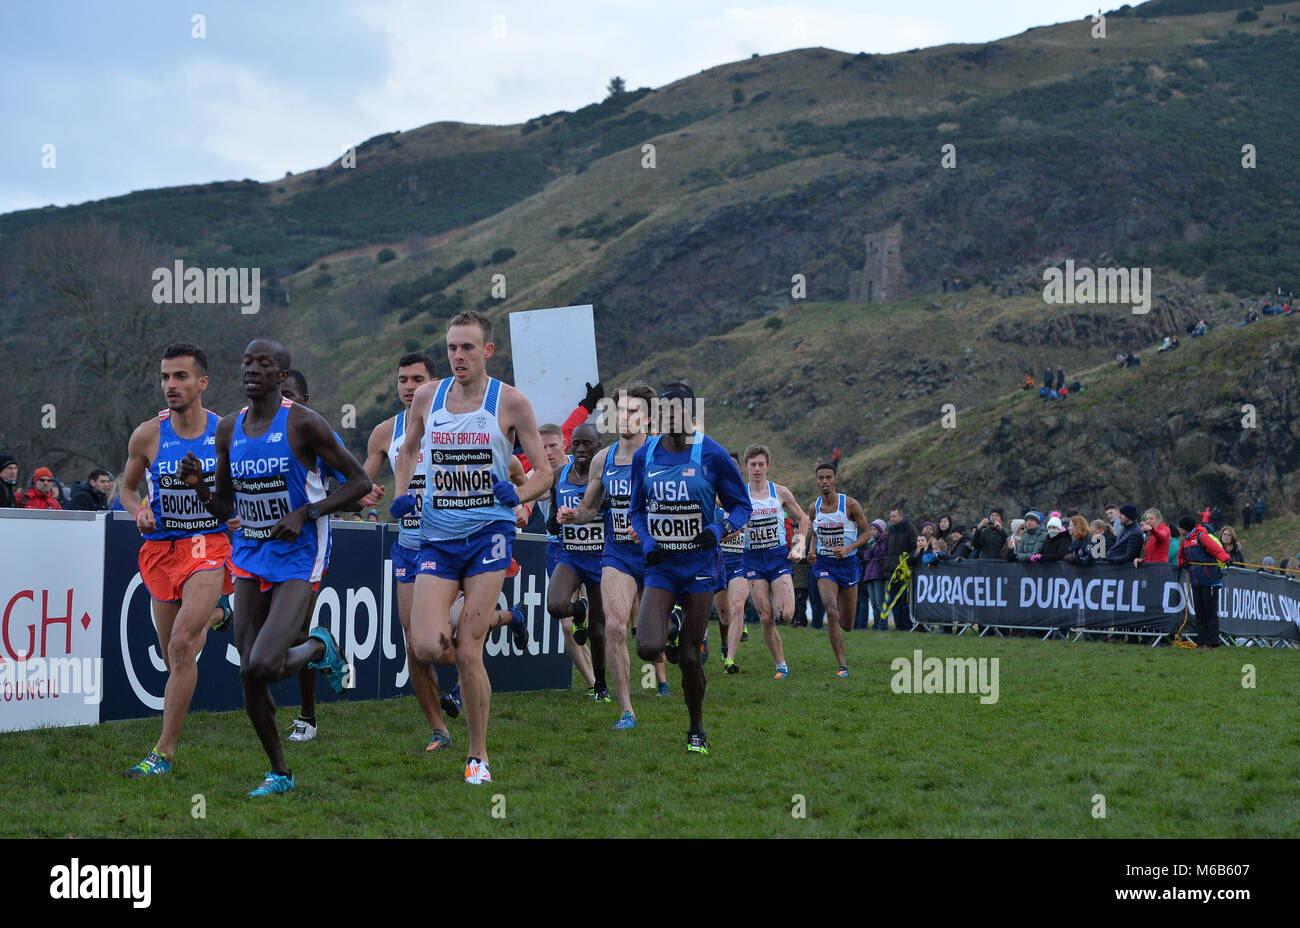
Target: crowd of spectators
(44,491)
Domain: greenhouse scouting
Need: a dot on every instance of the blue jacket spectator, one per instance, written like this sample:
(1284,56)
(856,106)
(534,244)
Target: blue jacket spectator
(1129,543)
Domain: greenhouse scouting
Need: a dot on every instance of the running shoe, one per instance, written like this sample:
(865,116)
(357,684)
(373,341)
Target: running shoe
(781,674)
(451,703)
(730,666)
(628,720)
(696,742)
(704,649)
(519,627)
(674,629)
(439,741)
(476,771)
(274,783)
(602,695)
(842,672)
(744,634)
(227,614)
(580,622)
(333,664)
(303,730)
(154,763)
(663,689)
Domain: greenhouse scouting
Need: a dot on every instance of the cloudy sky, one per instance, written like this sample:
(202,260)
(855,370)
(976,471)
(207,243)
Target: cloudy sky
(131,99)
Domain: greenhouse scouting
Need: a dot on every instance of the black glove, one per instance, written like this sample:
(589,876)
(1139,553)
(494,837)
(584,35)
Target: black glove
(705,541)
(594,395)
(552,523)
(657,555)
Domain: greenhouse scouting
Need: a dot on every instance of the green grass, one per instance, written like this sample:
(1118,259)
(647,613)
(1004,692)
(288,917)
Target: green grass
(1170,737)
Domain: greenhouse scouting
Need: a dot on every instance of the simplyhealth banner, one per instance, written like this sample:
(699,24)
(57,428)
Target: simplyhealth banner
(1049,594)
(357,602)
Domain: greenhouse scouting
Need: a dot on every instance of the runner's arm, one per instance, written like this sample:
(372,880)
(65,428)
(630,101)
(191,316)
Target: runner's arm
(730,489)
(854,511)
(376,453)
(522,421)
(409,454)
(221,501)
(143,439)
(787,499)
(327,447)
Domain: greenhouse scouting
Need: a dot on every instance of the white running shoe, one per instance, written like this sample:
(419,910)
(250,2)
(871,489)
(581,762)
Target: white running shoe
(476,772)
(302,731)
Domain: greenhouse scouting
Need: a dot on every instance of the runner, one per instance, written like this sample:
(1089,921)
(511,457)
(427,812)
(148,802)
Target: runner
(577,562)
(841,529)
(183,557)
(730,601)
(575,635)
(294,387)
(466,425)
(622,565)
(768,552)
(677,480)
(267,470)
(413,371)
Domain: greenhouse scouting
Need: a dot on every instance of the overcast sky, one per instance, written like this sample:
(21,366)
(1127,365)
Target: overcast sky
(130,99)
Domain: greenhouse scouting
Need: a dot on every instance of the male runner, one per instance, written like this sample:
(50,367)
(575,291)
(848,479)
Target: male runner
(267,470)
(678,478)
(183,557)
(413,371)
(294,387)
(467,426)
(577,562)
(841,529)
(554,441)
(622,565)
(768,552)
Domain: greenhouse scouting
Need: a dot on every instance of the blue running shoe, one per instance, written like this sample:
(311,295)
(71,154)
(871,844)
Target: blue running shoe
(334,664)
(627,721)
(842,672)
(663,689)
(439,741)
(451,703)
(153,764)
(519,627)
(274,783)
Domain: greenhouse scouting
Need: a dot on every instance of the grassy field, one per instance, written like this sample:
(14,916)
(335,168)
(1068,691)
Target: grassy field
(1171,739)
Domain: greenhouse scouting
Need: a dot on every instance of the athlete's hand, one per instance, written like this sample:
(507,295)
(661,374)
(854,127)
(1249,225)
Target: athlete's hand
(374,496)
(657,555)
(796,549)
(842,551)
(191,469)
(505,493)
(707,540)
(633,536)
(233,523)
(288,528)
(594,395)
(565,515)
(522,514)
(402,505)
(812,557)
(553,523)
(144,520)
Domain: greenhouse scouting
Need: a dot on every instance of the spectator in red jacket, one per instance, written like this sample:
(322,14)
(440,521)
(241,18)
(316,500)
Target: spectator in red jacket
(1155,548)
(42,494)
(1201,555)
(586,406)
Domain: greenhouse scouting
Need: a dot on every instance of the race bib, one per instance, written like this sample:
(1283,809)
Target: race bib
(260,502)
(674,524)
(585,539)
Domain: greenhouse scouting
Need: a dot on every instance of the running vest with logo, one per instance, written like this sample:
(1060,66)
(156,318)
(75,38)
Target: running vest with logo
(677,498)
(177,511)
(588,538)
(833,529)
(465,453)
(408,529)
(617,481)
(270,482)
(737,544)
(765,529)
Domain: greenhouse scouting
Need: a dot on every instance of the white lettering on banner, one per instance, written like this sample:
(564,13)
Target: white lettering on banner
(1060,594)
(356,649)
(103,881)
(960,591)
